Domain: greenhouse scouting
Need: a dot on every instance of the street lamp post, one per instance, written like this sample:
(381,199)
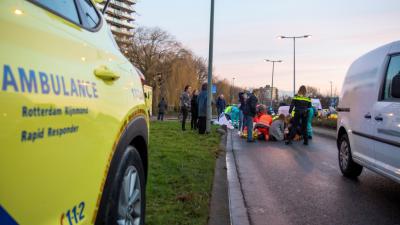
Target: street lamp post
(331,89)
(272,83)
(294,56)
(210,67)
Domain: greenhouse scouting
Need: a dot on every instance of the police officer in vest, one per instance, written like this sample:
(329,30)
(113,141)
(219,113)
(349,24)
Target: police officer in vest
(301,104)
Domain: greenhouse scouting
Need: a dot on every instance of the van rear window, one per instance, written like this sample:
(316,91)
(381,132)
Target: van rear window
(393,70)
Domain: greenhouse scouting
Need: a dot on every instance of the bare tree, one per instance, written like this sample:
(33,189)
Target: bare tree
(150,48)
(168,67)
(313,92)
(201,70)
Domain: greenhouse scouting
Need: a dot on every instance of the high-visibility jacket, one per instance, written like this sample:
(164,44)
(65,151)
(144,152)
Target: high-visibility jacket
(300,104)
(264,119)
(228,110)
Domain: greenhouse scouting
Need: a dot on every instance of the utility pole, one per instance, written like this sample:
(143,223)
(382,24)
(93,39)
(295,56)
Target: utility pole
(294,56)
(272,82)
(210,68)
(331,89)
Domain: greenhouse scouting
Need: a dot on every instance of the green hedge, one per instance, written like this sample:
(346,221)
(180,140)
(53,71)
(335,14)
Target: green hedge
(325,123)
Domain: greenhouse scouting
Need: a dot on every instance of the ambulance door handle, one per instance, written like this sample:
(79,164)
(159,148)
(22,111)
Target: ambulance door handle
(104,73)
(368,116)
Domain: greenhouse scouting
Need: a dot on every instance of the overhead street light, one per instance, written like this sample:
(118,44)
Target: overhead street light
(294,56)
(272,83)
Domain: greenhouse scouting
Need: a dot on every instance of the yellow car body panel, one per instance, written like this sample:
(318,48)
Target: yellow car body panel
(148,93)
(59,122)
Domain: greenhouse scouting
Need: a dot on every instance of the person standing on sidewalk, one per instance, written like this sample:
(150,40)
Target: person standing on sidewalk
(202,104)
(249,113)
(242,104)
(185,105)
(221,104)
(311,114)
(162,106)
(300,104)
(194,108)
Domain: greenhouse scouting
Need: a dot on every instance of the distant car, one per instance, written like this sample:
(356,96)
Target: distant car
(368,132)
(316,103)
(284,110)
(74,126)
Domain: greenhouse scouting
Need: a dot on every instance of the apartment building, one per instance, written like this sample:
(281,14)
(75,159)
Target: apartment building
(120,17)
(274,90)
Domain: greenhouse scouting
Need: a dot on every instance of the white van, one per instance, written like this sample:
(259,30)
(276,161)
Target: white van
(368,132)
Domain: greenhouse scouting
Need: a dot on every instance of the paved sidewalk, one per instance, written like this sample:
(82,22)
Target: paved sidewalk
(219,205)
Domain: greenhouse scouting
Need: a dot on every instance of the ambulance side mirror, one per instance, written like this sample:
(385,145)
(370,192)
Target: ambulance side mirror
(395,92)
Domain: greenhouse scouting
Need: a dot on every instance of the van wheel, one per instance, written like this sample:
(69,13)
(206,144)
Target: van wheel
(125,200)
(348,167)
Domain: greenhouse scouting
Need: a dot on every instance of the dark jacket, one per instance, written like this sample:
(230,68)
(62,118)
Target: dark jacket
(250,106)
(221,103)
(241,101)
(300,104)
(194,105)
(202,103)
(162,106)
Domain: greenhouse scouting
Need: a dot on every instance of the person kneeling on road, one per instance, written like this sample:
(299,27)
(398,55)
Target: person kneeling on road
(262,123)
(277,129)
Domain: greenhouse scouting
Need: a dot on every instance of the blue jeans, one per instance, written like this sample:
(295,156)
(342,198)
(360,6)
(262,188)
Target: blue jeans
(249,124)
(219,111)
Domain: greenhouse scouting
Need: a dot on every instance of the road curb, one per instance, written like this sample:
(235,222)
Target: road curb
(219,204)
(237,207)
(326,133)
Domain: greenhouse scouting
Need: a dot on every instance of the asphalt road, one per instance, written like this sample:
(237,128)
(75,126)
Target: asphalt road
(295,185)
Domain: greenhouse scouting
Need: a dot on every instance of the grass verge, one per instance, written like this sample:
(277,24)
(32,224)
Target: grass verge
(181,168)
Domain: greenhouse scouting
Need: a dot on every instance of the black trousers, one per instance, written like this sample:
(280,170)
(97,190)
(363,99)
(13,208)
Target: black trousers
(160,116)
(194,122)
(202,124)
(300,117)
(184,116)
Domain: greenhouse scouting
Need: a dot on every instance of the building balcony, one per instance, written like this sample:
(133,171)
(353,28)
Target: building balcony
(121,31)
(122,6)
(119,13)
(118,22)
(132,2)
(124,40)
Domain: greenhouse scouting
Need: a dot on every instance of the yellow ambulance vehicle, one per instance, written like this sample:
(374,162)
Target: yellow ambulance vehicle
(73,120)
(148,95)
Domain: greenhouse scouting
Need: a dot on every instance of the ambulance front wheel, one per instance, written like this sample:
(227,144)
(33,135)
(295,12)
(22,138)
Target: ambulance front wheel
(124,202)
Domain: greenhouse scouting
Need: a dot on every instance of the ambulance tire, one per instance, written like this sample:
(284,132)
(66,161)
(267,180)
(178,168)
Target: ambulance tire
(113,205)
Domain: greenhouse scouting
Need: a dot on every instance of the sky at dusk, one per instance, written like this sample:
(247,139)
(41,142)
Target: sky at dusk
(246,33)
